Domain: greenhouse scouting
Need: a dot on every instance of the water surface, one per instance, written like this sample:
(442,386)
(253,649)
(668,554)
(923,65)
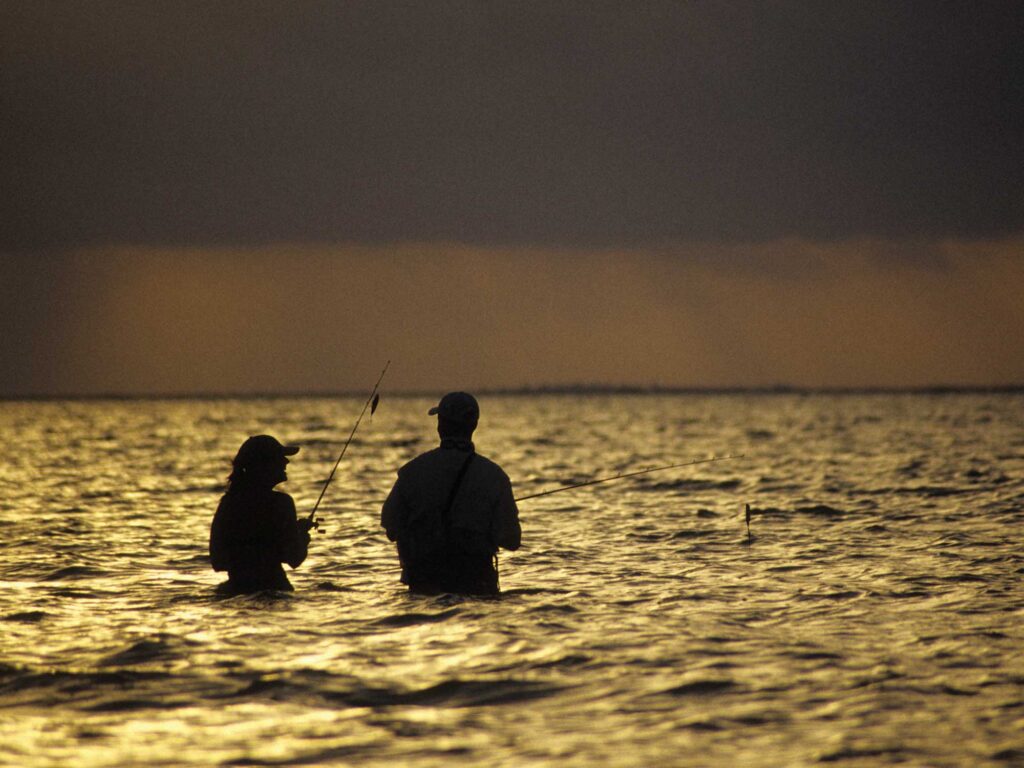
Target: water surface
(874,618)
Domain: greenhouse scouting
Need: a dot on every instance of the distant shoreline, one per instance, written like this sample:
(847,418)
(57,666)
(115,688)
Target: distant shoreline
(566,390)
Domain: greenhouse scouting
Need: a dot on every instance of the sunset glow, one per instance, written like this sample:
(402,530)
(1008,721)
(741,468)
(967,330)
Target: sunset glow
(321,318)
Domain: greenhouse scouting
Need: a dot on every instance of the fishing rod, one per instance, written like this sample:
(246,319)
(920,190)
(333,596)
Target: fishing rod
(623,475)
(371,402)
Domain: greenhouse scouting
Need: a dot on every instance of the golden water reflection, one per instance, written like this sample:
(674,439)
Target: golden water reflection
(879,596)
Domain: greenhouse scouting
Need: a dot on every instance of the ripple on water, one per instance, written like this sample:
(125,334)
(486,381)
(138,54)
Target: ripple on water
(689,486)
(813,510)
(869,753)
(569,661)
(412,619)
(459,693)
(73,572)
(85,690)
(26,617)
(145,652)
(700,688)
(337,690)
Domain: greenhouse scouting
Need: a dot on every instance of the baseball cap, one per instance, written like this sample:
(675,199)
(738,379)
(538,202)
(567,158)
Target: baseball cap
(457,406)
(261,448)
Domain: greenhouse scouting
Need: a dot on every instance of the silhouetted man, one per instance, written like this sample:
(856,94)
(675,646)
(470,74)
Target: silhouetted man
(451,509)
(256,528)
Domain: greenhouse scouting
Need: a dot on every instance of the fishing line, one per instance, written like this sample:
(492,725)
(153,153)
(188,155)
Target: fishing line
(628,474)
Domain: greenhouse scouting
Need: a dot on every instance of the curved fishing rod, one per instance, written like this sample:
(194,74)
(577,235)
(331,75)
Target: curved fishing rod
(628,474)
(371,403)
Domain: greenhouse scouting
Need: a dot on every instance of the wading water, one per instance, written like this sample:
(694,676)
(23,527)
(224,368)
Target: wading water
(873,614)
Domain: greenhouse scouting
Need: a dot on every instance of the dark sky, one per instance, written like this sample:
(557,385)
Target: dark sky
(586,123)
(277,196)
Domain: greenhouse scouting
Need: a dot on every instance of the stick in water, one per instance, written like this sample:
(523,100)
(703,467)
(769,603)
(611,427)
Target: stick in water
(371,402)
(628,474)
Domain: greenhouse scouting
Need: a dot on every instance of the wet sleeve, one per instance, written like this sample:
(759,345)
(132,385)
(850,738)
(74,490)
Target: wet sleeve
(506,531)
(295,545)
(393,513)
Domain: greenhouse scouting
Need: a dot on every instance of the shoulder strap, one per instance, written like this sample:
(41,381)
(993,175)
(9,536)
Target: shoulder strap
(446,514)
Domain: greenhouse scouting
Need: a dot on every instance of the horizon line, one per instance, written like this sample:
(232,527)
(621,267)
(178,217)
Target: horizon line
(519,391)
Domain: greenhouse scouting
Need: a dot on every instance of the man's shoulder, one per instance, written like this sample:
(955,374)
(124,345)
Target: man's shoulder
(421,462)
(439,458)
(491,467)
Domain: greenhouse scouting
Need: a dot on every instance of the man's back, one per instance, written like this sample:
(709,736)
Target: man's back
(446,542)
(483,503)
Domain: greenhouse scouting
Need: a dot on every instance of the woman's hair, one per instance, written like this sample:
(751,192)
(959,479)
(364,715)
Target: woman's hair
(251,474)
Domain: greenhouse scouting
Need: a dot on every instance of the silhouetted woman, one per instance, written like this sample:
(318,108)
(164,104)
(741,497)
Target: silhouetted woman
(256,528)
